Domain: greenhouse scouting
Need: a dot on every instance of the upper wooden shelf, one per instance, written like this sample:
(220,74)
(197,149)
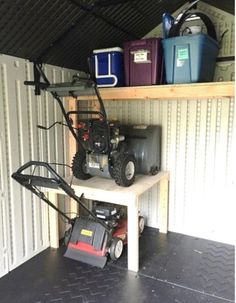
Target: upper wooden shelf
(173,91)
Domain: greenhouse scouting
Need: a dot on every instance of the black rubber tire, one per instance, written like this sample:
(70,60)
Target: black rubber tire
(141,223)
(78,166)
(119,169)
(67,236)
(113,247)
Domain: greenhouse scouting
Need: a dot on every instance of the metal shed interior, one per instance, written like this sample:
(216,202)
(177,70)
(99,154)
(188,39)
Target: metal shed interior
(198,135)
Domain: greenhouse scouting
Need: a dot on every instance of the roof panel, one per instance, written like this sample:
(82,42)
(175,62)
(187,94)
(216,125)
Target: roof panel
(64,32)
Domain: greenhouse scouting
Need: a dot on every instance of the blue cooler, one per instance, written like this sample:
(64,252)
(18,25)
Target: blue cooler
(190,58)
(109,67)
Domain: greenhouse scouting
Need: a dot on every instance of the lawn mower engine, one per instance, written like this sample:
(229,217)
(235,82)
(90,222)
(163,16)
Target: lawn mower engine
(91,243)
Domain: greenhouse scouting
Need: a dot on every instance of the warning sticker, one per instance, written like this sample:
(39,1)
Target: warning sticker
(86,232)
(182,54)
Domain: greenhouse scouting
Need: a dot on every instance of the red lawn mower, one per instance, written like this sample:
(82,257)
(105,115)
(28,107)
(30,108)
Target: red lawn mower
(91,239)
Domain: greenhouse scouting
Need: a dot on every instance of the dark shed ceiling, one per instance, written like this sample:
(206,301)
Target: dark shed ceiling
(64,32)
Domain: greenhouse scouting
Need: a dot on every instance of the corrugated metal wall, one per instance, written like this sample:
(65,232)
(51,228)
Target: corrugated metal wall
(23,218)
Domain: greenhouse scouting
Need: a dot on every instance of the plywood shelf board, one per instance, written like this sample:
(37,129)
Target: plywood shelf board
(174,91)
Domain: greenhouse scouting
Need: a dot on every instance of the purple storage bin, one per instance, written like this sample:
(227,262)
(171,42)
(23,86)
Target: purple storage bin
(143,62)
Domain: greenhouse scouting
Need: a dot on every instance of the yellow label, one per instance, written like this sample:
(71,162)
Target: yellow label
(86,232)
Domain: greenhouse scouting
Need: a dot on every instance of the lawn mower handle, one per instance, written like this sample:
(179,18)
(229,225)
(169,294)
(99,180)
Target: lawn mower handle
(37,163)
(31,180)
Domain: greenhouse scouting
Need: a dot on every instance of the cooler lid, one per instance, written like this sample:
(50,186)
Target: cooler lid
(108,50)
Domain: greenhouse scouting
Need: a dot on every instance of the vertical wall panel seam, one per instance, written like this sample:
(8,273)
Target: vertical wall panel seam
(185,161)
(168,133)
(177,148)
(39,148)
(47,125)
(207,139)
(217,133)
(3,197)
(45,133)
(11,250)
(20,149)
(53,71)
(30,126)
(197,137)
(65,141)
(3,211)
(62,79)
(230,135)
(151,111)
(28,97)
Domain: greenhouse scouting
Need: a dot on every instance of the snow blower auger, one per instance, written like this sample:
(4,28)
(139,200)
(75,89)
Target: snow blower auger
(101,145)
(90,239)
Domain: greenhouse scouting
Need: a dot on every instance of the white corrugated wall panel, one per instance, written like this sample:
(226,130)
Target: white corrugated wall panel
(4,232)
(197,149)
(23,217)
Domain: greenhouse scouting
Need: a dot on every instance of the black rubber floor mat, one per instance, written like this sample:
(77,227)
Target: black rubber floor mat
(167,265)
(202,265)
(110,285)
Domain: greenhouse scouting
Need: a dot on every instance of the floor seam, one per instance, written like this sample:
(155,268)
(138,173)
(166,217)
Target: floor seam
(187,288)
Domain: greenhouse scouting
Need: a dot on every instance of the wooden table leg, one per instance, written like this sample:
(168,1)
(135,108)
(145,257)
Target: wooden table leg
(163,205)
(53,221)
(133,236)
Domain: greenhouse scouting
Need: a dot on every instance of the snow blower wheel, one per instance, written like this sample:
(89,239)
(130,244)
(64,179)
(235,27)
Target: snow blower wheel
(79,166)
(124,170)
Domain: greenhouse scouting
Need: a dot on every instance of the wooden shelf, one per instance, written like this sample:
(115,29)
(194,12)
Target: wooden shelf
(173,91)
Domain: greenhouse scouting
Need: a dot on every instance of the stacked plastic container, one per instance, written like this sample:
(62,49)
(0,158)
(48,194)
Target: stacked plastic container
(178,58)
(143,62)
(192,57)
(109,67)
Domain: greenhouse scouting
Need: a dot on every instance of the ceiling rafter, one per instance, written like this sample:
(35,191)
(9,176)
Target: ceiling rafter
(91,9)
(61,37)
